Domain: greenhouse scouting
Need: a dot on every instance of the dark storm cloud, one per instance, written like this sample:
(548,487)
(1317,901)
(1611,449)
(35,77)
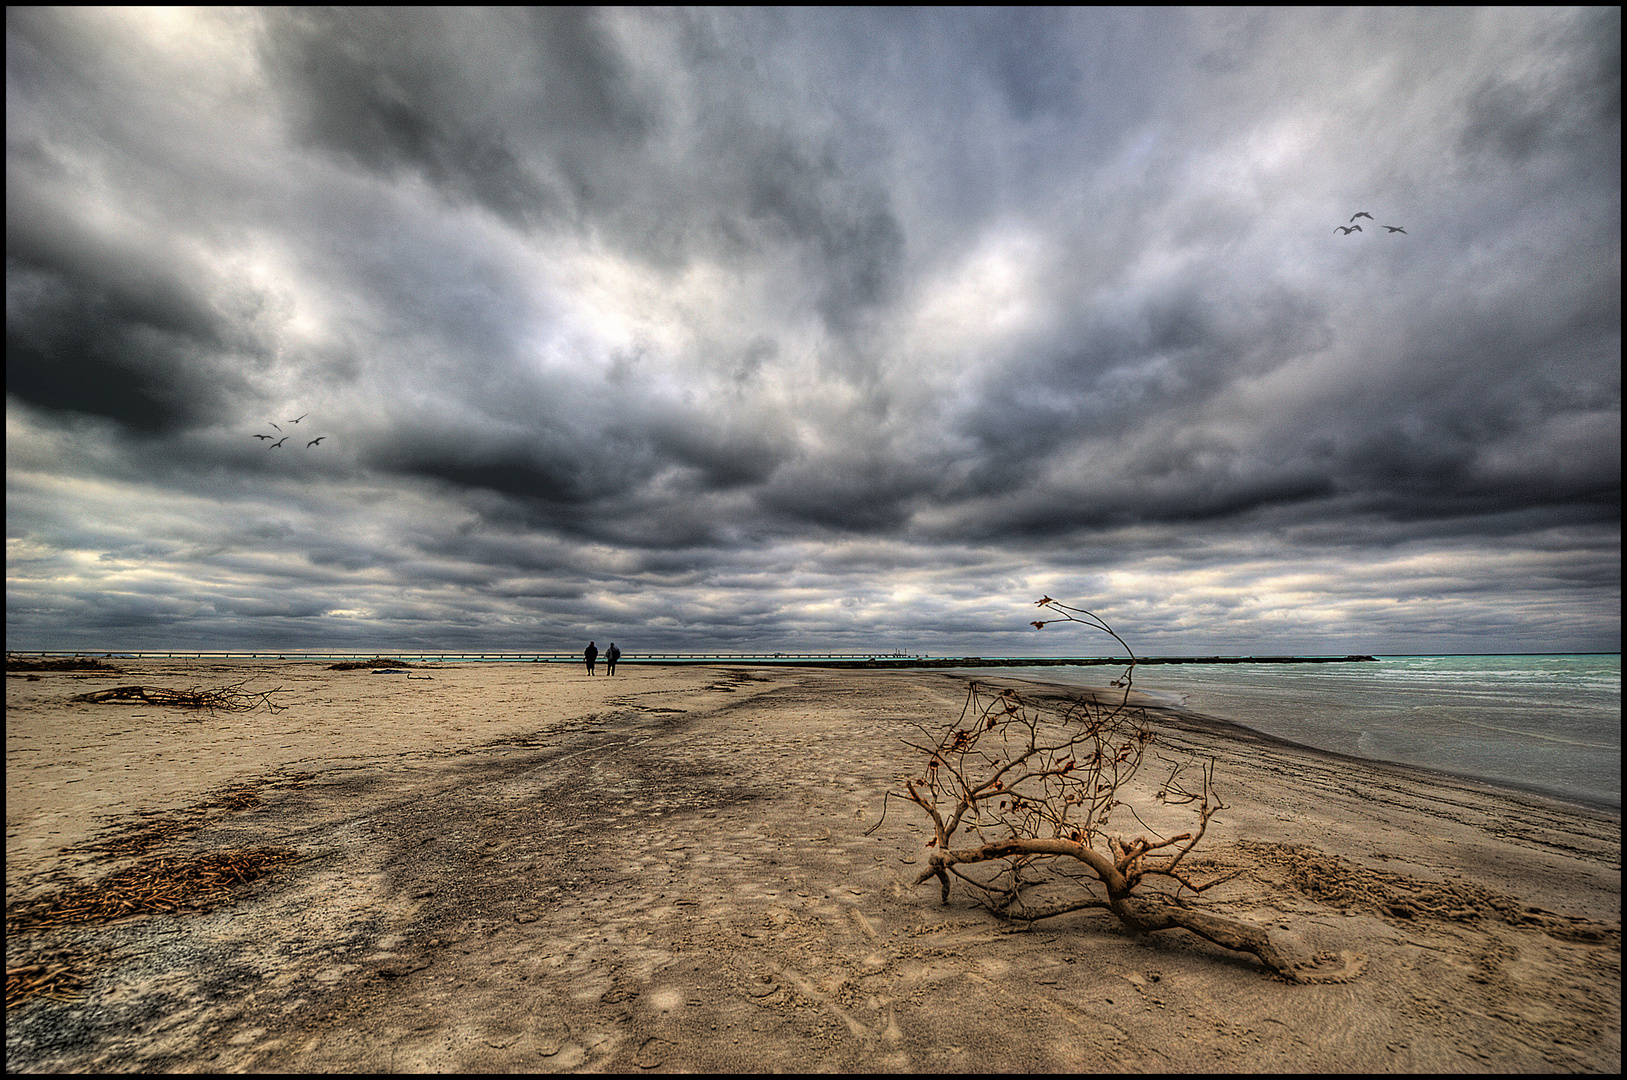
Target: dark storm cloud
(724,325)
(377,88)
(108,327)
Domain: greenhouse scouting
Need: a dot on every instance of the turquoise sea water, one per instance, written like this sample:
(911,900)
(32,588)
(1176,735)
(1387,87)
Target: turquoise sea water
(1547,723)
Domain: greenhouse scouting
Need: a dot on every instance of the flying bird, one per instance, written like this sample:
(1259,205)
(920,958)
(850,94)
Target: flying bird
(1396,228)
(1361,213)
(1347,230)
(314,441)
(297,419)
(278,443)
(274,425)
(262,436)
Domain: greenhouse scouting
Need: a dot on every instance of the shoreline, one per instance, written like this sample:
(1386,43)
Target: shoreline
(1181,716)
(519,868)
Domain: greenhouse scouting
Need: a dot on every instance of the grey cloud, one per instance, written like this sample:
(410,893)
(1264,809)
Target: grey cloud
(515,475)
(372,87)
(756,321)
(1566,102)
(104,325)
(722,459)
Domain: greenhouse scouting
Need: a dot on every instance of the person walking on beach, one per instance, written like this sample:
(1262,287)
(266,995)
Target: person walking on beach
(591,653)
(611,655)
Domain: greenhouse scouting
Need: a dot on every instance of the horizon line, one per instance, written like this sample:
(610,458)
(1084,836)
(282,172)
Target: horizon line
(553,655)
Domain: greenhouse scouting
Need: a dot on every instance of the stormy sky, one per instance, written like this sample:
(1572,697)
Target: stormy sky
(813,330)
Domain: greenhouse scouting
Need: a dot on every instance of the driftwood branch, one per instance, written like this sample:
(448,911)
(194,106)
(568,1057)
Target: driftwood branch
(226,698)
(1040,797)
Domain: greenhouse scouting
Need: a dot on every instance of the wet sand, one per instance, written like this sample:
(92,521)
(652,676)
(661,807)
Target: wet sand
(516,867)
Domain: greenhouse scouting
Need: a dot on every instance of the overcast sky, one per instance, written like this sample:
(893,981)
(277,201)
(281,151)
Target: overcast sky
(846,330)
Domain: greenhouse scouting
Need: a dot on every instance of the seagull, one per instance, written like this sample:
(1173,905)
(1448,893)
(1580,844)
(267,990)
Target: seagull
(278,443)
(314,441)
(1396,228)
(1347,230)
(262,436)
(298,418)
(1361,213)
(274,425)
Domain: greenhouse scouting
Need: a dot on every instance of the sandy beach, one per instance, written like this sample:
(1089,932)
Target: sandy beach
(518,868)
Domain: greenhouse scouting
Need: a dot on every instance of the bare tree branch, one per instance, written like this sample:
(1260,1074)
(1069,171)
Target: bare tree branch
(1032,794)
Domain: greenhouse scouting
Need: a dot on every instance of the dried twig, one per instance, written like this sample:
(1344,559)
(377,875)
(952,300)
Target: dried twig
(231,698)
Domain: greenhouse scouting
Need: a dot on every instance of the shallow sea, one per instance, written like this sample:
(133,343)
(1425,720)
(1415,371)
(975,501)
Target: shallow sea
(1546,723)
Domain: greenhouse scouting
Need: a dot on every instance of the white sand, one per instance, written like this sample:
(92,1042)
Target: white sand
(519,868)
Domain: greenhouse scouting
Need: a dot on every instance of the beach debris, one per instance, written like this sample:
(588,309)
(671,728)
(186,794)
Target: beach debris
(226,698)
(67,663)
(1035,795)
(62,976)
(156,827)
(167,884)
(376,662)
(163,884)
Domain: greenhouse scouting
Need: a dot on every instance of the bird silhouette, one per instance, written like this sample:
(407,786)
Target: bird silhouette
(262,436)
(1396,228)
(298,418)
(278,443)
(314,441)
(1347,230)
(1361,213)
(274,425)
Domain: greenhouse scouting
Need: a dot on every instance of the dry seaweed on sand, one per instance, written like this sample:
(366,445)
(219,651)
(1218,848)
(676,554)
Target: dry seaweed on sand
(164,884)
(376,662)
(224,698)
(57,976)
(159,826)
(69,663)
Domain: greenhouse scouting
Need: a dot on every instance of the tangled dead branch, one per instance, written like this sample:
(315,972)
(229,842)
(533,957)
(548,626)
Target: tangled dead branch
(1041,799)
(225,698)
